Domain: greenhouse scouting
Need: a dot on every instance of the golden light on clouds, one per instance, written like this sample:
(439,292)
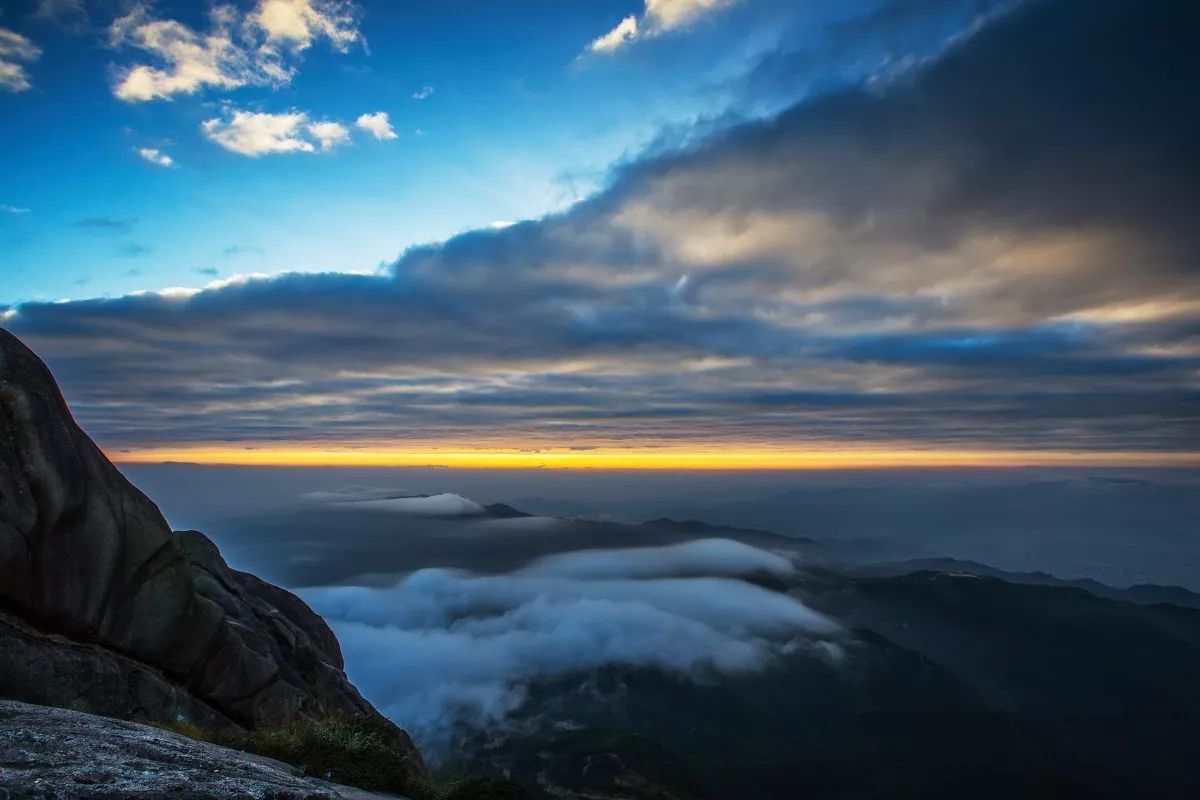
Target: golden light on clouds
(659,458)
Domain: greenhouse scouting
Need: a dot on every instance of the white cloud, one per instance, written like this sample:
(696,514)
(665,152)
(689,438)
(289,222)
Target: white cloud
(437,505)
(423,93)
(664,15)
(6,209)
(258,48)
(377,124)
(626,31)
(191,61)
(300,22)
(253,133)
(658,17)
(156,156)
(329,134)
(256,133)
(442,648)
(15,48)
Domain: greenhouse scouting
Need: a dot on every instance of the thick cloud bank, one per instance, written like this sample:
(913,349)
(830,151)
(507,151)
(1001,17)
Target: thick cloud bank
(994,248)
(362,498)
(437,505)
(443,649)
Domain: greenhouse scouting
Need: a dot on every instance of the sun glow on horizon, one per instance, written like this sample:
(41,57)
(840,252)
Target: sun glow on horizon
(648,459)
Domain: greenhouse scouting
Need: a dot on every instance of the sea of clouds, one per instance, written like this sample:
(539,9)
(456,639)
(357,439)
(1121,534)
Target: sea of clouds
(441,649)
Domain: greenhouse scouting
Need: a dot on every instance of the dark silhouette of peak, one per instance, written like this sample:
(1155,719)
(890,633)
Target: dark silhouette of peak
(502,511)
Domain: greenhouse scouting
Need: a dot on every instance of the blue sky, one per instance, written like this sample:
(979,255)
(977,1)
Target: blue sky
(500,111)
(748,232)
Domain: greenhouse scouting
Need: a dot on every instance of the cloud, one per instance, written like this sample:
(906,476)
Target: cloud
(300,22)
(70,15)
(15,49)
(658,17)
(210,272)
(259,48)
(156,156)
(376,124)
(329,134)
(423,93)
(354,494)
(444,649)
(256,133)
(625,32)
(941,260)
(722,557)
(6,209)
(253,133)
(192,61)
(241,249)
(106,224)
(134,250)
(437,505)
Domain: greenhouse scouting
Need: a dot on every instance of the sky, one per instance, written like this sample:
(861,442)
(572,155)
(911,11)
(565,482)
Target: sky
(671,233)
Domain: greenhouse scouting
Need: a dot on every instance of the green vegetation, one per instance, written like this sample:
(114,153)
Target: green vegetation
(355,751)
(486,789)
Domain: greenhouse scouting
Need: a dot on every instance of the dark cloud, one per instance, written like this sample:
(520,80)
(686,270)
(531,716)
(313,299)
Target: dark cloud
(211,272)
(70,15)
(134,250)
(241,249)
(106,225)
(981,250)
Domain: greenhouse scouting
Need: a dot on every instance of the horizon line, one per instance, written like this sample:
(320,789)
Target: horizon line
(642,459)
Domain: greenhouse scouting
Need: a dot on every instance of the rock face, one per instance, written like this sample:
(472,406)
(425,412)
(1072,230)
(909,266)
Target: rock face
(104,609)
(51,753)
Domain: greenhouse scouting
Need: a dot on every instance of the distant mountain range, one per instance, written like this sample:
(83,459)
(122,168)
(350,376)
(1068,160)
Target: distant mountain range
(1142,594)
(951,685)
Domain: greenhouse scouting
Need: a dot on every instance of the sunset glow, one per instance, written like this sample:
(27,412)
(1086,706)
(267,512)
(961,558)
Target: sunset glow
(722,459)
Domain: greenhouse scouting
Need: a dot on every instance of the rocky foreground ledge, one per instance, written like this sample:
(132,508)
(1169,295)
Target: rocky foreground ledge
(55,754)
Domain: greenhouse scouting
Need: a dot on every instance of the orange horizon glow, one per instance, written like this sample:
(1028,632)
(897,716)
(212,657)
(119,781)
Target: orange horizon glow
(657,459)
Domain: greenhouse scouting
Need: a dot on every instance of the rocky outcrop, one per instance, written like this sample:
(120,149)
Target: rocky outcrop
(44,668)
(109,611)
(52,753)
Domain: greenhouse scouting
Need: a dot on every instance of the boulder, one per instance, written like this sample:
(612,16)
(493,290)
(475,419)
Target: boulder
(129,617)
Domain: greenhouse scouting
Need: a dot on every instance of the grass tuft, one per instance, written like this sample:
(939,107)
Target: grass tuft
(355,751)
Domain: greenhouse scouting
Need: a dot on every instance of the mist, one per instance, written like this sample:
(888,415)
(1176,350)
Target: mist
(447,651)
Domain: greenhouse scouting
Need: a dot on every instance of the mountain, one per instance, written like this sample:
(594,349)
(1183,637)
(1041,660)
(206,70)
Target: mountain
(104,609)
(1142,593)
(944,685)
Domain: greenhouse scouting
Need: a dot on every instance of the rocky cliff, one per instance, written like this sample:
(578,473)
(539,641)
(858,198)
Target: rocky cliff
(104,609)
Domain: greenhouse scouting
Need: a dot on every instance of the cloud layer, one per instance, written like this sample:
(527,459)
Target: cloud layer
(441,649)
(994,249)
